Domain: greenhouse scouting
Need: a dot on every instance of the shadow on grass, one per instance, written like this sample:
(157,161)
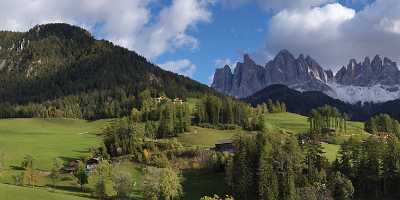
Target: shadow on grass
(67,159)
(198,183)
(19,168)
(72,190)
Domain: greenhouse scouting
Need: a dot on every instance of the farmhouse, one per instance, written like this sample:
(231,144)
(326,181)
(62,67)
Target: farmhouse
(73,166)
(224,146)
(161,99)
(178,101)
(92,163)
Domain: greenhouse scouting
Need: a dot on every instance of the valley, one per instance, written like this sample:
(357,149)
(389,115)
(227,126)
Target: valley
(69,139)
(83,118)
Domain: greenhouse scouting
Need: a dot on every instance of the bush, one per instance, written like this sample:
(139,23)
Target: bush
(123,183)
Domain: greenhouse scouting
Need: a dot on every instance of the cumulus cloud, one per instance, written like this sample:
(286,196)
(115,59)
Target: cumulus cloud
(184,67)
(334,33)
(129,23)
(173,22)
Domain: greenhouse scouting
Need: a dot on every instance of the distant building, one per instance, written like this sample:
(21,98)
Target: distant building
(92,163)
(178,101)
(224,146)
(71,167)
(384,135)
(161,99)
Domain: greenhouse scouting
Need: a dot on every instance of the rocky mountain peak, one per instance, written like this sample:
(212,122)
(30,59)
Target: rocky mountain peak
(227,69)
(303,73)
(367,61)
(366,80)
(379,71)
(329,75)
(247,60)
(352,64)
(284,57)
(388,62)
(223,80)
(377,63)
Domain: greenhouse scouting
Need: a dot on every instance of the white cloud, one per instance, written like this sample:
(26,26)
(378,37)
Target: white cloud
(184,67)
(333,34)
(275,5)
(129,23)
(221,62)
(172,24)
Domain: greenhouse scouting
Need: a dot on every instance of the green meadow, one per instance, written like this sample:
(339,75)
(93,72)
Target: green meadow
(46,139)
(11,192)
(68,139)
(296,124)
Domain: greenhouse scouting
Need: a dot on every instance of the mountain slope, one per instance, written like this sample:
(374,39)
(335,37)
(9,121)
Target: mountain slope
(303,102)
(368,81)
(65,64)
(69,60)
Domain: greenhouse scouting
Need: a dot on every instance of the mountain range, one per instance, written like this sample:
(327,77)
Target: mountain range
(59,67)
(375,80)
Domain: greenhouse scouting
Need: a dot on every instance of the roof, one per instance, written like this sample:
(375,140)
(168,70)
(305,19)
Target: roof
(224,141)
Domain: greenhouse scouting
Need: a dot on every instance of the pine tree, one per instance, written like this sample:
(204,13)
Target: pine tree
(166,128)
(268,181)
(391,166)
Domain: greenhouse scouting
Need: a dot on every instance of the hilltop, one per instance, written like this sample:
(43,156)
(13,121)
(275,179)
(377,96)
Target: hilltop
(66,66)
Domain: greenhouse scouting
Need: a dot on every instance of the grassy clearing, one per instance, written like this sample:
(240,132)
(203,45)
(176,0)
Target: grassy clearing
(46,139)
(205,137)
(295,123)
(331,151)
(10,192)
(288,122)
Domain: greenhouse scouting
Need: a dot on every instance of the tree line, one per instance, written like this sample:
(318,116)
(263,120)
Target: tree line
(275,167)
(372,165)
(382,123)
(326,118)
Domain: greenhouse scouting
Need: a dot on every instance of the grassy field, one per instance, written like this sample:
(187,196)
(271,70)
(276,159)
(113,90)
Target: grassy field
(204,137)
(331,151)
(10,192)
(288,122)
(295,124)
(46,139)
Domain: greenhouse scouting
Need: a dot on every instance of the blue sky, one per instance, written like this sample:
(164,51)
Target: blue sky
(228,36)
(232,32)
(193,37)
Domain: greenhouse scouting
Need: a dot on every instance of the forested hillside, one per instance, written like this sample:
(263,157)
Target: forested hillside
(303,102)
(62,70)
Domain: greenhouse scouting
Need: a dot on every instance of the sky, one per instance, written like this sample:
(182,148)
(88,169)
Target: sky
(194,37)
